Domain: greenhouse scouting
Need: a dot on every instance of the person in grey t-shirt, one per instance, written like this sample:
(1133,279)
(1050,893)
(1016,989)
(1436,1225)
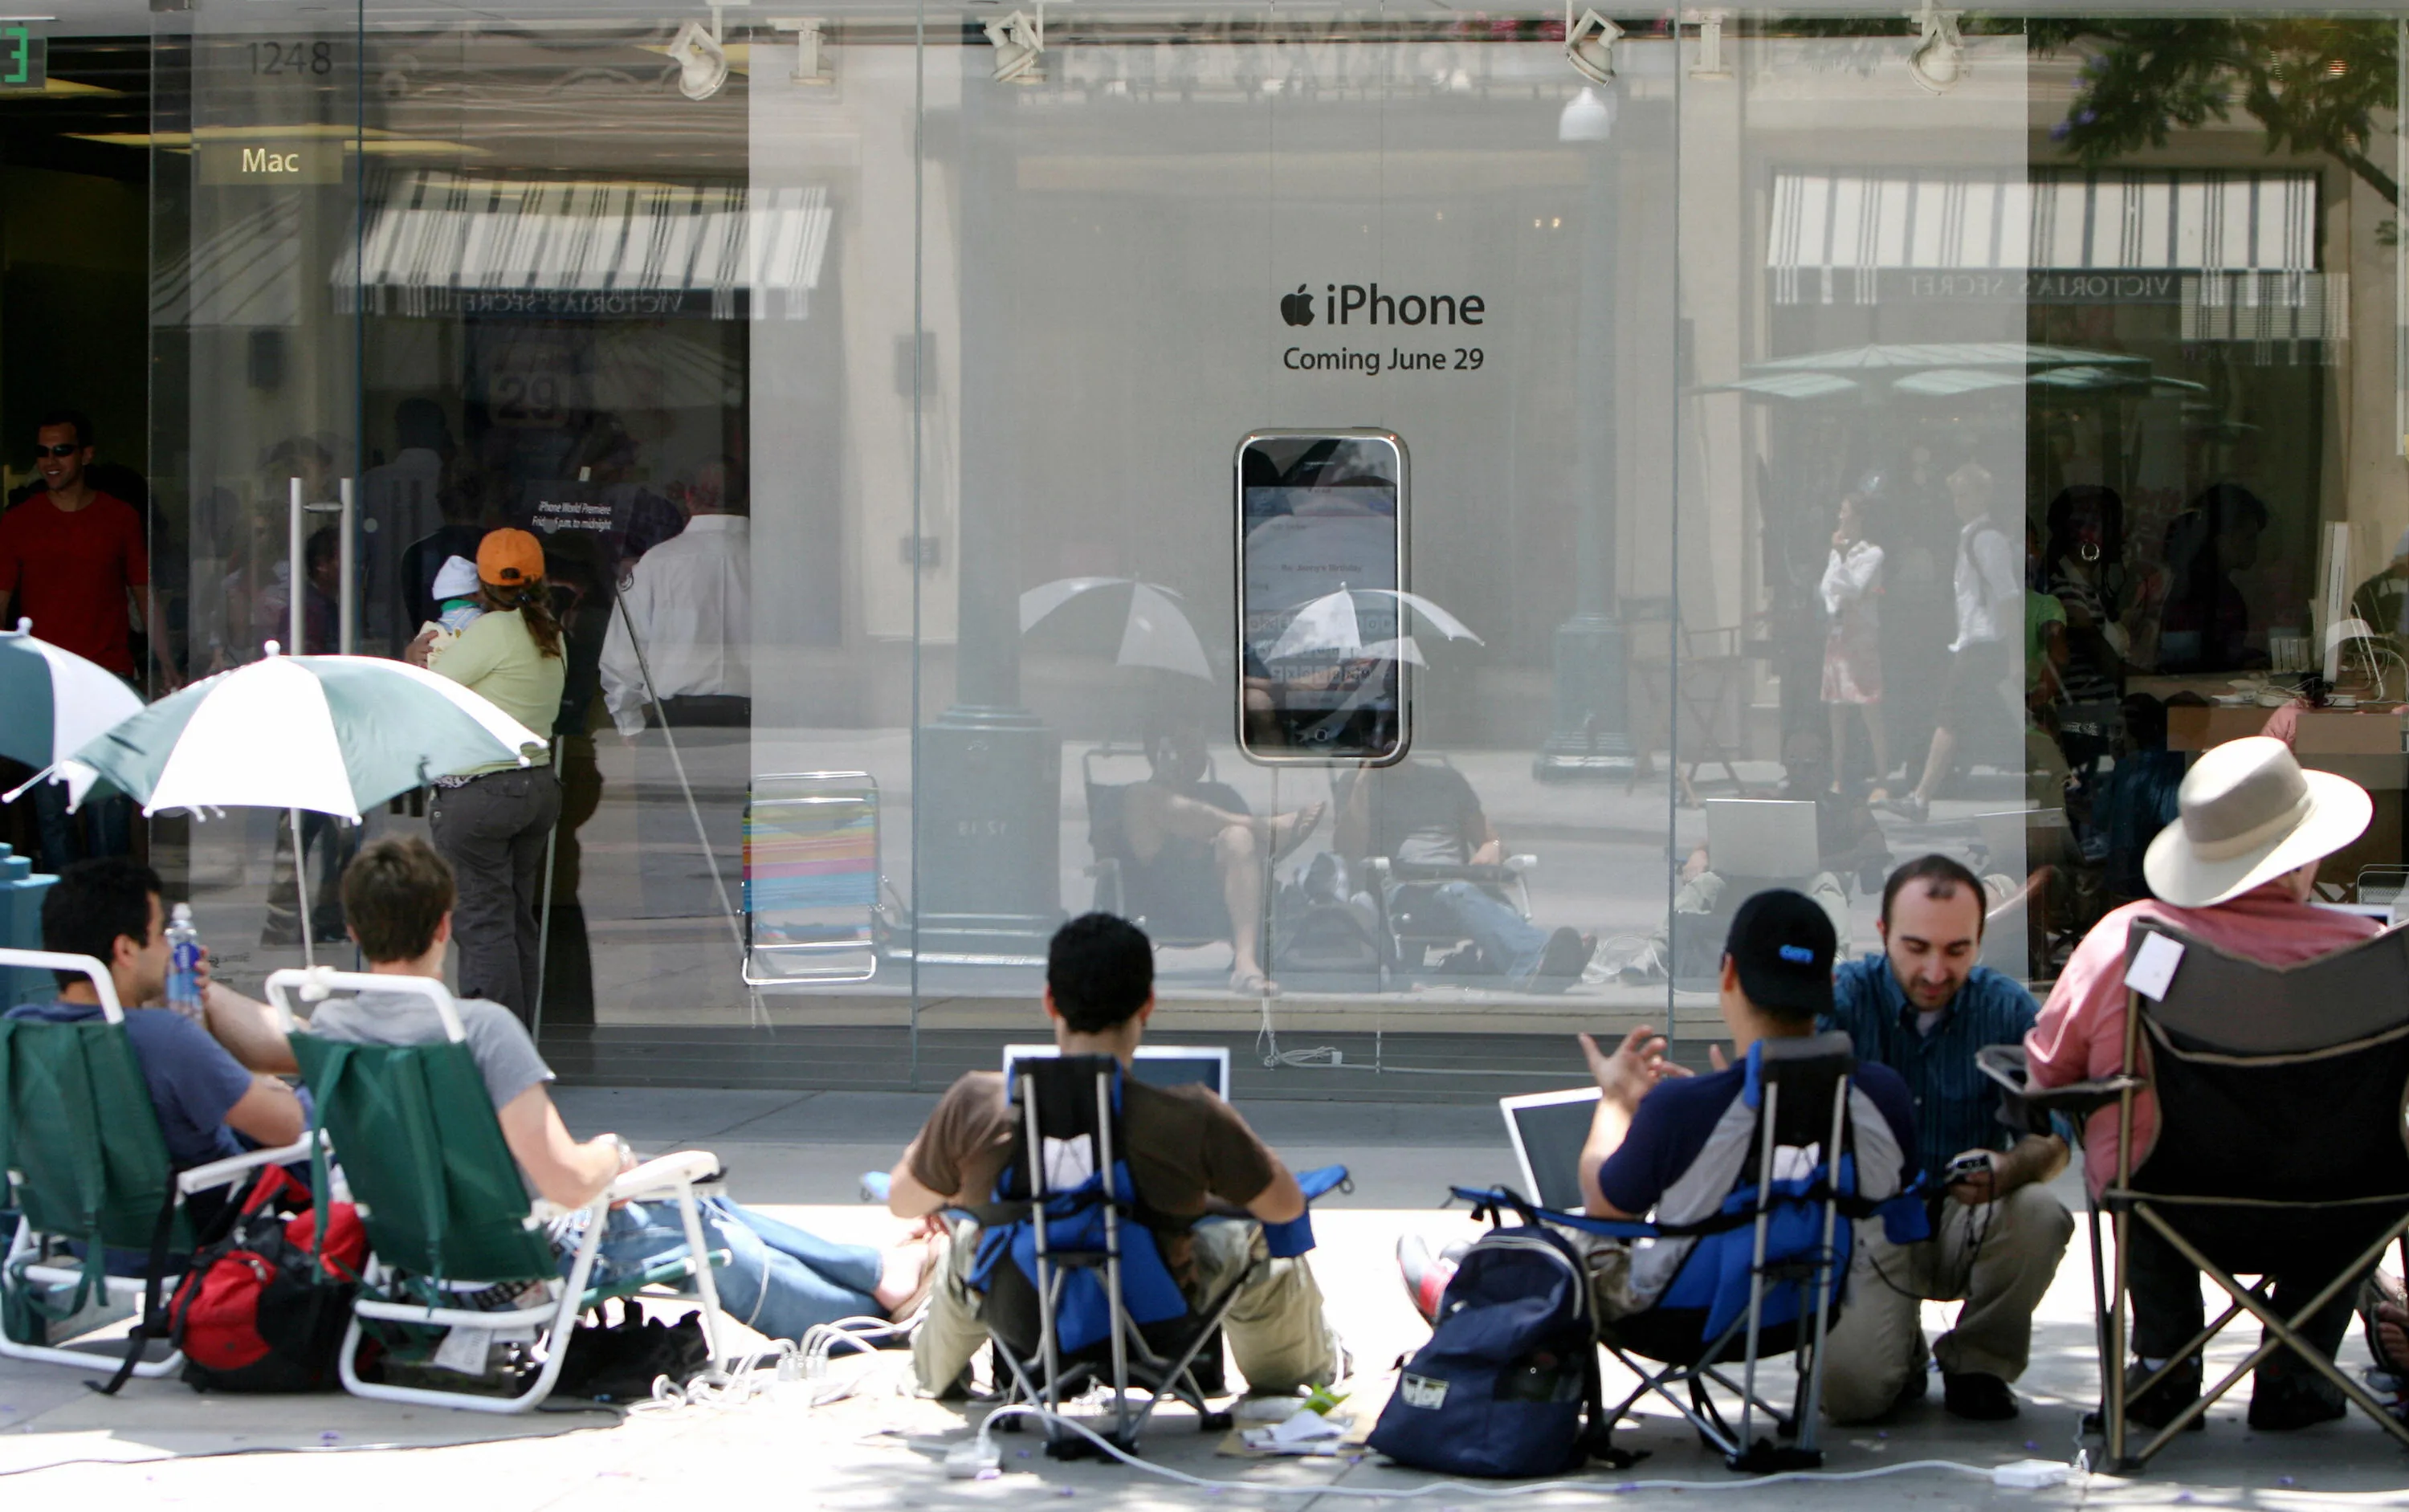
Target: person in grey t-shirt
(397,898)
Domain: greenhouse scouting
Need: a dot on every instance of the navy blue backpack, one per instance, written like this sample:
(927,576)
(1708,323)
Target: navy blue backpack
(1509,1384)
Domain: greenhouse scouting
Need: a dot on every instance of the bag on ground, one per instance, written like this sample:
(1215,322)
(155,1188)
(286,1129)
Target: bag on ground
(1511,1368)
(256,1311)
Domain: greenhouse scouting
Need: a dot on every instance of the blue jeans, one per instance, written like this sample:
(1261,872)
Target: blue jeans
(1511,943)
(778,1280)
(104,826)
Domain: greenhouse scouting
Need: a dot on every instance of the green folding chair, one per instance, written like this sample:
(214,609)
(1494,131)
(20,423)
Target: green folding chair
(447,1212)
(87,1167)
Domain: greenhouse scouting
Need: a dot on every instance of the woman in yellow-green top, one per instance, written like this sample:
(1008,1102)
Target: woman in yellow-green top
(491,824)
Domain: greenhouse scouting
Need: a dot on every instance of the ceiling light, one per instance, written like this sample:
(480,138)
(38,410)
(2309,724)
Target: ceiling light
(1588,118)
(1589,43)
(701,60)
(1939,62)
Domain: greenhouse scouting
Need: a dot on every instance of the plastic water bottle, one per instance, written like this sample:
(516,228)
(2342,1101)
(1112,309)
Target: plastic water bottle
(184,964)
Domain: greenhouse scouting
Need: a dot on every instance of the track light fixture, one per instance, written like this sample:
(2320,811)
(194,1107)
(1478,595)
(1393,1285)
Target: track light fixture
(1019,47)
(701,58)
(1939,60)
(1589,43)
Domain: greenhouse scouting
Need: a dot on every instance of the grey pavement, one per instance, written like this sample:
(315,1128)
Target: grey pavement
(799,1155)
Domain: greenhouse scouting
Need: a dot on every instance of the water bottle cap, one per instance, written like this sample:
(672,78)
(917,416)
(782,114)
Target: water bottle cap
(180,914)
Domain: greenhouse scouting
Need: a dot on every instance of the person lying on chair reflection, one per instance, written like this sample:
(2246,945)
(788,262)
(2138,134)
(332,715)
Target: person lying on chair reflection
(1194,846)
(1423,814)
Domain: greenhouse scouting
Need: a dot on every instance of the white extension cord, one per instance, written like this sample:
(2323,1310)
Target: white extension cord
(968,1462)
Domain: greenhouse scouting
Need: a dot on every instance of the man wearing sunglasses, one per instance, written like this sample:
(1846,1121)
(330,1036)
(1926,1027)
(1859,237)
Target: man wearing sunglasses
(73,560)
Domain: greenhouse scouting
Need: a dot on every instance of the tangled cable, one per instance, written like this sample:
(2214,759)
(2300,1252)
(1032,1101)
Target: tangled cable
(785,1361)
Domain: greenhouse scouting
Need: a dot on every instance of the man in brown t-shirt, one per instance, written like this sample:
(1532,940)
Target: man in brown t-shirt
(1188,1151)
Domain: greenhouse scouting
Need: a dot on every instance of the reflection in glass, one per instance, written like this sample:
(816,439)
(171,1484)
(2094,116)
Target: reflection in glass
(1322,567)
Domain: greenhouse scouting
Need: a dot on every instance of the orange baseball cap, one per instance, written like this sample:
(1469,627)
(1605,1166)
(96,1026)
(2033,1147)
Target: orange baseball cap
(507,557)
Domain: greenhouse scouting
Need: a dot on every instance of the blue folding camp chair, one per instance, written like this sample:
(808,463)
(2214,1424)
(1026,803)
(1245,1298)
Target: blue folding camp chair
(1078,1291)
(1748,1253)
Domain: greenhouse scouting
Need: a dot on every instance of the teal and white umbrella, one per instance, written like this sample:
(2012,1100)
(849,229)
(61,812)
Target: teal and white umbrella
(52,701)
(331,734)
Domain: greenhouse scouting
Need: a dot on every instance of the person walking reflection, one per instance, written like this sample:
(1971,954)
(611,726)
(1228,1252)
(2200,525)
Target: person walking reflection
(1853,674)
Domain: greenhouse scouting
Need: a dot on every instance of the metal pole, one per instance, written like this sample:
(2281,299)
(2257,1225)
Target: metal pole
(347,602)
(301,883)
(543,926)
(293,577)
(1766,1123)
(645,668)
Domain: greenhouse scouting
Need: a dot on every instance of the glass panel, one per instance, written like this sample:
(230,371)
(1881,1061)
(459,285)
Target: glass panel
(1161,248)
(255,164)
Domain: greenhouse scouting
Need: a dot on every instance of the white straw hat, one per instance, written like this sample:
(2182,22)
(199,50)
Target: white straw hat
(2247,813)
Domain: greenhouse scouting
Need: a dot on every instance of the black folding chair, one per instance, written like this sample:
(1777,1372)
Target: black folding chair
(2280,1092)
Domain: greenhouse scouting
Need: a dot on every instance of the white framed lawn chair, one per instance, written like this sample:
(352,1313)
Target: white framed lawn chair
(447,1212)
(87,1166)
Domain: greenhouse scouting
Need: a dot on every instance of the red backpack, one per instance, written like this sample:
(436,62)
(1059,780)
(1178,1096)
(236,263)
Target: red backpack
(256,1310)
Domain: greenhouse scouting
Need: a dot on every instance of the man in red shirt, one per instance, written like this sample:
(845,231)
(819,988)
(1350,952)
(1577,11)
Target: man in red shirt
(2237,869)
(72,560)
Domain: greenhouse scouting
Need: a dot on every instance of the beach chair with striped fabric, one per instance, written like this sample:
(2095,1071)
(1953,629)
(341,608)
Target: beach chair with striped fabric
(812,878)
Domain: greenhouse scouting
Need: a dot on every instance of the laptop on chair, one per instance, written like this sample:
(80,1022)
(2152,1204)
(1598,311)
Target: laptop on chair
(1157,1065)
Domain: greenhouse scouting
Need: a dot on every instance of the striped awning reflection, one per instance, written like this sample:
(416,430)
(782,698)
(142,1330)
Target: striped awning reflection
(437,240)
(2198,237)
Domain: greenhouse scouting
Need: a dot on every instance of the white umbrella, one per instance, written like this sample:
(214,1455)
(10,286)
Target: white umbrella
(52,701)
(1154,634)
(1330,623)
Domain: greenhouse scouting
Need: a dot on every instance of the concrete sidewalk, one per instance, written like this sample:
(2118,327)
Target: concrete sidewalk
(801,1154)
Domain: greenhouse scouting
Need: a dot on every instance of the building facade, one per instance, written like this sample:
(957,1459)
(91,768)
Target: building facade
(1231,465)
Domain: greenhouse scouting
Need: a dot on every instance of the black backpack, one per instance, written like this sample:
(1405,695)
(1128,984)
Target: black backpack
(1510,1373)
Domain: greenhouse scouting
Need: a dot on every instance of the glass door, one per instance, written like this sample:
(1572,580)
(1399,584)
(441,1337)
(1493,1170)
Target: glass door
(256,158)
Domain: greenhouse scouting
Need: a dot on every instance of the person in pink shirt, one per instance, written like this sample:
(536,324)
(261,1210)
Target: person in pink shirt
(2236,871)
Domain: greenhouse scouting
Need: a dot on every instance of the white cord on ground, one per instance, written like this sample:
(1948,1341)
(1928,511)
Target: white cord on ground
(988,1452)
(782,1360)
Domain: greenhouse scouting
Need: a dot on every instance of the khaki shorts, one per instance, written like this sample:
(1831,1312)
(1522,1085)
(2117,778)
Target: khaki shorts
(1608,1261)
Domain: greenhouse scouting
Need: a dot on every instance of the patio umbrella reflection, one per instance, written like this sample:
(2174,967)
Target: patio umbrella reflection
(1154,631)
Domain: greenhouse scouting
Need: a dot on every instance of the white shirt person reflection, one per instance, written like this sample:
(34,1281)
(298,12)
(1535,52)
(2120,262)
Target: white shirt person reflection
(690,602)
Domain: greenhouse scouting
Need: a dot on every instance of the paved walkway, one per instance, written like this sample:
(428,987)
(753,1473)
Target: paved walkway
(799,1155)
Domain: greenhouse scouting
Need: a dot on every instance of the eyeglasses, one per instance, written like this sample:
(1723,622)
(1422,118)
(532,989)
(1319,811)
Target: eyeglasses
(63,448)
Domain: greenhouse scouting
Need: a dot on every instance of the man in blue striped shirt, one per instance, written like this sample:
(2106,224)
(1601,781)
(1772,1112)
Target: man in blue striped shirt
(1923,1008)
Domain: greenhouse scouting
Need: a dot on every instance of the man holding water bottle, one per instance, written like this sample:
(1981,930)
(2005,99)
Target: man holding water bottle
(210,1075)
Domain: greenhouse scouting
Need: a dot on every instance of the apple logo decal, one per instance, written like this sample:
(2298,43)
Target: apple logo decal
(1297,308)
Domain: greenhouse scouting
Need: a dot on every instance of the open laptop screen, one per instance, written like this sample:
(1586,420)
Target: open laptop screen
(1548,1131)
(1157,1065)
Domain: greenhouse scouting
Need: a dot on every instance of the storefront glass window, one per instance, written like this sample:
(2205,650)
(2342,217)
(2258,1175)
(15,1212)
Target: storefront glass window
(1826,440)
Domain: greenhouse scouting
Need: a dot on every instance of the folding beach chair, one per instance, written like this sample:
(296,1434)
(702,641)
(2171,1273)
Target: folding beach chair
(448,1215)
(88,1168)
(2279,1092)
(812,879)
(1077,1292)
(1748,1249)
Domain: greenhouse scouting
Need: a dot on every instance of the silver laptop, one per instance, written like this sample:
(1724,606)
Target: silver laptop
(1157,1065)
(1762,837)
(1548,1131)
